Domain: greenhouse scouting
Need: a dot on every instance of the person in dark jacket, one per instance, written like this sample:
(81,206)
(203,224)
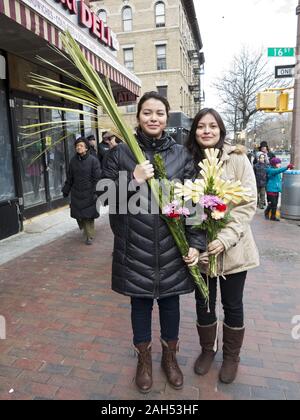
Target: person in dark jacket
(264,148)
(147,264)
(93,146)
(83,175)
(260,170)
(103,149)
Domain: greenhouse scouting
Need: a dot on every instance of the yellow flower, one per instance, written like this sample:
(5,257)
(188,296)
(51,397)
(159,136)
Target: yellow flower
(190,190)
(211,170)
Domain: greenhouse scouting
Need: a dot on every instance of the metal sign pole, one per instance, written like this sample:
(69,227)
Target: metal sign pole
(296,115)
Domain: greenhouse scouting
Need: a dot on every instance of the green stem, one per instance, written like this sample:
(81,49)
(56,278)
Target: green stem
(178,234)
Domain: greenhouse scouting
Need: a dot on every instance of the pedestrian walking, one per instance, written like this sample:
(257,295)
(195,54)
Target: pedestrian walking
(147,264)
(93,146)
(103,149)
(234,247)
(83,174)
(260,170)
(111,140)
(274,187)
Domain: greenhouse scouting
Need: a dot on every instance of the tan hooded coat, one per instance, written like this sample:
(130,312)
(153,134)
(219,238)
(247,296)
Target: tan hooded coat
(241,253)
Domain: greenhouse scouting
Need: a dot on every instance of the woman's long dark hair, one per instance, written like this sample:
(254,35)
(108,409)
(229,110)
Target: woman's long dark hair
(195,149)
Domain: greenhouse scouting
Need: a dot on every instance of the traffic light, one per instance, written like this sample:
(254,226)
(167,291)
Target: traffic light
(272,101)
(283,102)
(266,101)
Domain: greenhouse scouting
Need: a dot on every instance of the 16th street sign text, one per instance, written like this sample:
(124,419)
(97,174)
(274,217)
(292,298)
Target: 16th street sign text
(281,52)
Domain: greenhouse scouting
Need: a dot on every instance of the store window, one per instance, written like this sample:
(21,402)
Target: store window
(90,122)
(55,154)
(30,154)
(7,187)
(73,130)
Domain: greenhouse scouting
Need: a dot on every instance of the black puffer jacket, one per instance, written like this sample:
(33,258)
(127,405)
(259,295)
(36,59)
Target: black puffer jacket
(146,261)
(83,175)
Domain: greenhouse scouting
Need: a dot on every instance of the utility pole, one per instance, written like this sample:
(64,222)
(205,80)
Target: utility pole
(296,114)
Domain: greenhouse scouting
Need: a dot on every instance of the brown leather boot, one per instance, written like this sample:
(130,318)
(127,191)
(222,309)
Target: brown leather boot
(169,363)
(207,338)
(143,378)
(232,344)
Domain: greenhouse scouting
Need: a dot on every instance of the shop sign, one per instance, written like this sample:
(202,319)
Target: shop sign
(88,19)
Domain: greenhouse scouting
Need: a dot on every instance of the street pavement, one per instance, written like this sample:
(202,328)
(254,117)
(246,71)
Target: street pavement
(68,336)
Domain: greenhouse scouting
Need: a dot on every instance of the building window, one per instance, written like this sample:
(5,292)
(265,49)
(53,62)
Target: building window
(160,14)
(163,91)
(131,109)
(128,58)
(102,15)
(127,19)
(161,55)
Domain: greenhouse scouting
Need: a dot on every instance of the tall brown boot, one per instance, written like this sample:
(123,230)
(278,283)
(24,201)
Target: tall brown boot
(169,363)
(207,338)
(143,378)
(232,343)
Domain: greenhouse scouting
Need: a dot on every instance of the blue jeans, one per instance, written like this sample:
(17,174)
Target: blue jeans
(141,318)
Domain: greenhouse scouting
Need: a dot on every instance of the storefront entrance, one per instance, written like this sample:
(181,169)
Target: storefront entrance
(9,220)
(42,158)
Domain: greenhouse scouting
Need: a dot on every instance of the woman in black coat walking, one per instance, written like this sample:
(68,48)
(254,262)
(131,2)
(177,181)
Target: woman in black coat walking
(147,264)
(83,175)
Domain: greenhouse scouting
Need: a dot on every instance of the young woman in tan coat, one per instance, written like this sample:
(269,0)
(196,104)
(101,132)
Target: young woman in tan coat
(235,248)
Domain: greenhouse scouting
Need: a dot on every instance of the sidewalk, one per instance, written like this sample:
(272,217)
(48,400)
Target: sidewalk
(69,335)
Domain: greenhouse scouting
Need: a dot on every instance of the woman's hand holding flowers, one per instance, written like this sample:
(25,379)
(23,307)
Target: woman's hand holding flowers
(192,258)
(215,248)
(143,172)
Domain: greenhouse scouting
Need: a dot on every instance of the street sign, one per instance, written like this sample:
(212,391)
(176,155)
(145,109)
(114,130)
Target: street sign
(282,72)
(281,52)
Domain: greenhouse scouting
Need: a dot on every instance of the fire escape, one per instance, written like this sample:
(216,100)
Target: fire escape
(197,61)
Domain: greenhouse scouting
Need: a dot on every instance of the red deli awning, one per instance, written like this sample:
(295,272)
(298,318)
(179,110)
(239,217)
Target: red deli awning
(35,22)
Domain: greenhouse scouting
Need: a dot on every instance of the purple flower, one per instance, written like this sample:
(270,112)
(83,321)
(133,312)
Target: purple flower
(210,202)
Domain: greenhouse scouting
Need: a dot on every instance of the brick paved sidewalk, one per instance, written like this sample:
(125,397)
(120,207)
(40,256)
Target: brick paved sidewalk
(69,335)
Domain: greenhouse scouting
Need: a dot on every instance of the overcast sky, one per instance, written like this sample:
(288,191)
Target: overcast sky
(227,25)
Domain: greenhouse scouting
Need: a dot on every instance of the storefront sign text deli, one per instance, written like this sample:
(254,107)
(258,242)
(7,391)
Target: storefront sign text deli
(88,19)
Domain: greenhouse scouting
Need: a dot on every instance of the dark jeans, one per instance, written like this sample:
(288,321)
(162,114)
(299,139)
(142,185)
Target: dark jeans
(232,290)
(272,204)
(141,318)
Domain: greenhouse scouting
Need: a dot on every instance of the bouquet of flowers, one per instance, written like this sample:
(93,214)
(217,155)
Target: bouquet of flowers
(216,197)
(174,215)
(94,93)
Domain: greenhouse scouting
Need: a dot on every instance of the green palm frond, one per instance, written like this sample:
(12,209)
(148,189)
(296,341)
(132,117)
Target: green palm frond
(95,93)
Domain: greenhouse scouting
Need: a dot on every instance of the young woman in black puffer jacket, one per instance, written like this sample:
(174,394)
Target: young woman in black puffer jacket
(147,264)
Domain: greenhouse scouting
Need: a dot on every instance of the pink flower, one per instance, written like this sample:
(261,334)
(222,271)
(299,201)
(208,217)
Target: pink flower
(173,212)
(184,211)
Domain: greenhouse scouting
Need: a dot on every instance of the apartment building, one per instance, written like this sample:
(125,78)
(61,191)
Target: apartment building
(160,42)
